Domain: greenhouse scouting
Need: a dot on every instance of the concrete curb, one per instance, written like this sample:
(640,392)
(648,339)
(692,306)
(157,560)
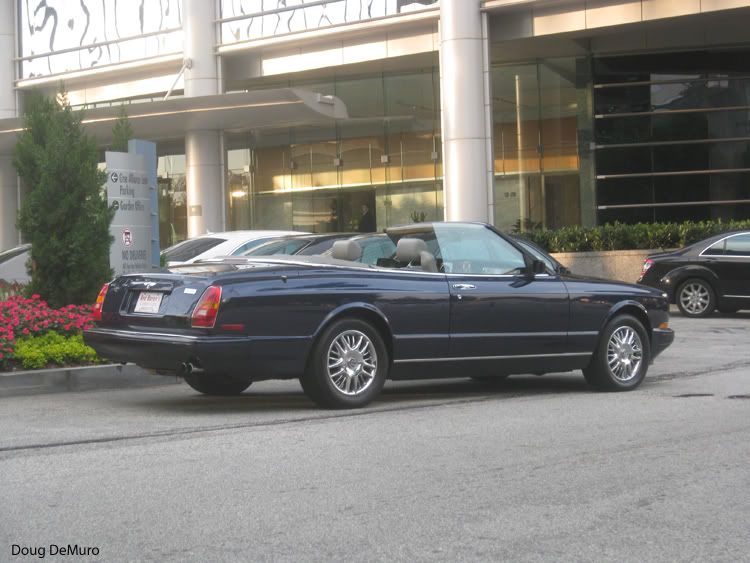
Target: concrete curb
(87,378)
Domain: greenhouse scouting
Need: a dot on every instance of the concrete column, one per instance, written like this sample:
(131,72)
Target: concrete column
(466,187)
(203,171)
(7,53)
(8,203)
(8,178)
(204,165)
(199,28)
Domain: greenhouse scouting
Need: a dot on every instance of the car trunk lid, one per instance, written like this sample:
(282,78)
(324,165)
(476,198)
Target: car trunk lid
(165,300)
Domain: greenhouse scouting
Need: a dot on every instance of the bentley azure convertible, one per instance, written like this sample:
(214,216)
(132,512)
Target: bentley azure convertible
(455,299)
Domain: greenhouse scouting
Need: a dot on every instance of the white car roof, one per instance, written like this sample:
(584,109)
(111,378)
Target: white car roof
(14,269)
(232,241)
(248,235)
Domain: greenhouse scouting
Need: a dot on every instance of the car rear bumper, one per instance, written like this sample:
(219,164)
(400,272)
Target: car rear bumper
(261,358)
(661,338)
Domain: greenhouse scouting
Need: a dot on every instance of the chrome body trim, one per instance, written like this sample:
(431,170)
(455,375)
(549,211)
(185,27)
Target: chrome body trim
(474,358)
(139,335)
(722,240)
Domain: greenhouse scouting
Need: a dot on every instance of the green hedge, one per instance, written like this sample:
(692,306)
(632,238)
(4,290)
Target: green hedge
(641,236)
(53,349)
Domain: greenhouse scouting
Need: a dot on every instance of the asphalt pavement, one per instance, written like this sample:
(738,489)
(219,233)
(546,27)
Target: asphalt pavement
(531,469)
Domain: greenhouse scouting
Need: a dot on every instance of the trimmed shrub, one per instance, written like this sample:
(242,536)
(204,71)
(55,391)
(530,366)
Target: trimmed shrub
(640,236)
(53,349)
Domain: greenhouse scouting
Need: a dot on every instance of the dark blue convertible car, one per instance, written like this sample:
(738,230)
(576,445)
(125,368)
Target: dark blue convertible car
(456,299)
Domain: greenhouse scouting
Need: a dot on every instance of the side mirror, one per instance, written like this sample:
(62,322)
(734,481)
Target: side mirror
(537,267)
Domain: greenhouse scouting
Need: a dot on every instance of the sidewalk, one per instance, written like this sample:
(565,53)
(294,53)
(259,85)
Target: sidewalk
(57,380)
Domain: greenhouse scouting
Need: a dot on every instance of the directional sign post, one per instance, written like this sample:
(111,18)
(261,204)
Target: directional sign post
(129,192)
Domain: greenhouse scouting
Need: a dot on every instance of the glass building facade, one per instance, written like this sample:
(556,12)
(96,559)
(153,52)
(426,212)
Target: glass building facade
(594,112)
(172,197)
(673,136)
(541,110)
(576,140)
(385,156)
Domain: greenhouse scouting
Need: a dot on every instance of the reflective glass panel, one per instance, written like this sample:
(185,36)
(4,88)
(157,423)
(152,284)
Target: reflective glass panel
(378,167)
(716,249)
(689,143)
(474,249)
(738,245)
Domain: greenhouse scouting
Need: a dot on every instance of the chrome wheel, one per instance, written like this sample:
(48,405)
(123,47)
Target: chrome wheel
(624,353)
(352,362)
(695,298)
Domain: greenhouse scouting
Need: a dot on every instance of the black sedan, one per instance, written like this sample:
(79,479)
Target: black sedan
(457,299)
(710,274)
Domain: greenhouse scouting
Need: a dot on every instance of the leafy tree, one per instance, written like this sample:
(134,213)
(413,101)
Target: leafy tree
(65,215)
(122,132)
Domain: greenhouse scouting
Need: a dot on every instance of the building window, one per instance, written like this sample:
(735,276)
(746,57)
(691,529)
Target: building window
(385,158)
(539,112)
(172,194)
(673,136)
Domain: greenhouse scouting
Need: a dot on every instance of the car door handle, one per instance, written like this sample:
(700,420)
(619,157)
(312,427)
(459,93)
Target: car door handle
(462,286)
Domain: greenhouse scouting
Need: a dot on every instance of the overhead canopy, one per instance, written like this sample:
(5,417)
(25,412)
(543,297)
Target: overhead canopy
(281,107)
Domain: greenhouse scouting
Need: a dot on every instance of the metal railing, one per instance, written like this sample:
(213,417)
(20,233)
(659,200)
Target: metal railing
(56,38)
(282,17)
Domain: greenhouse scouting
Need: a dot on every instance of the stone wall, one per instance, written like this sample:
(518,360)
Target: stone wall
(623,265)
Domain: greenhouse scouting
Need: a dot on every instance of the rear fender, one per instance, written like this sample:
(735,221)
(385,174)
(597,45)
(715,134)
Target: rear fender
(672,279)
(368,312)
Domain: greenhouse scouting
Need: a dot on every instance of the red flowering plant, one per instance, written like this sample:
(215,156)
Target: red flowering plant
(22,317)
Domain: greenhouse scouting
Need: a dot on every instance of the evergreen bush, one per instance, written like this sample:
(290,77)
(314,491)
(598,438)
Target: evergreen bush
(64,215)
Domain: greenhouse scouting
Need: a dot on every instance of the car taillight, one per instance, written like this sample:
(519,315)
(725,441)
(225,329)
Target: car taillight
(96,311)
(646,265)
(205,312)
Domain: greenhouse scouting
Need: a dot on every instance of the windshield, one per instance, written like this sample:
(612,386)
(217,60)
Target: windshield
(189,249)
(460,248)
(284,246)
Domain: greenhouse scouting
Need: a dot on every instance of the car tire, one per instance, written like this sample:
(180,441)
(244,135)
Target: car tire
(348,365)
(624,342)
(217,384)
(696,298)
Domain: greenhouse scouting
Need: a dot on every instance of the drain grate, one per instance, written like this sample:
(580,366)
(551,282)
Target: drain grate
(738,397)
(689,395)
